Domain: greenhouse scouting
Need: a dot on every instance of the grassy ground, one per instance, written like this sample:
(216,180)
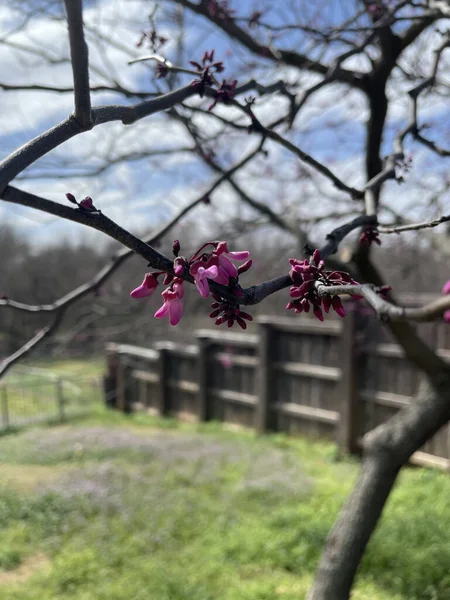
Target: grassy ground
(131,508)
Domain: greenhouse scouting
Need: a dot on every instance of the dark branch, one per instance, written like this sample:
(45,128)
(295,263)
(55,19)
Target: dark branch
(80,63)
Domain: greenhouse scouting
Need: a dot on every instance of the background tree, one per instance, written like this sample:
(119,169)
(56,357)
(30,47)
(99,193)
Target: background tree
(310,133)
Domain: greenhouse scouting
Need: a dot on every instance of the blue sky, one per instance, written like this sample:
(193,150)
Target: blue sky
(142,193)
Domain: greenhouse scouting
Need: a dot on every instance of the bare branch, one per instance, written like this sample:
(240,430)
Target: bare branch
(7,363)
(80,63)
(415,226)
(384,309)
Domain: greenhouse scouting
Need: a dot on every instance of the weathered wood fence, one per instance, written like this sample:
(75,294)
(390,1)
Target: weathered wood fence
(334,380)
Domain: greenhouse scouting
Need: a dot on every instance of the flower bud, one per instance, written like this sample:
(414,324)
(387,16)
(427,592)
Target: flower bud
(71,198)
(176,247)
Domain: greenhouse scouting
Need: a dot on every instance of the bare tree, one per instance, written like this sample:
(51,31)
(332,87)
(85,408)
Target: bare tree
(361,59)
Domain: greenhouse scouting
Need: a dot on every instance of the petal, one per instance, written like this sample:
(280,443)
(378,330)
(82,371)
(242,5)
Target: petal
(175,312)
(202,286)
(211,272)
(446,288)
(222,276)
(318,313)
(178,288)
(447,316)
(141,292)
(163,311)
(242,255)
(338,306)
(326,303)
(228,266)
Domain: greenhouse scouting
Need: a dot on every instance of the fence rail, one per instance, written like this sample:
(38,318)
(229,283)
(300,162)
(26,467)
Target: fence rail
(334,380)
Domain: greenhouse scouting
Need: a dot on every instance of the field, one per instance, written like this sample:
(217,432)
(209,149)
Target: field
(134,508)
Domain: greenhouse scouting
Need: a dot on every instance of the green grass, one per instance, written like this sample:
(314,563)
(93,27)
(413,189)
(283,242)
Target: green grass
(115,508)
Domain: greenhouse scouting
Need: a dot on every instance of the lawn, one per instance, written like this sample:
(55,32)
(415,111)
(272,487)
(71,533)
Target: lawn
(135,508)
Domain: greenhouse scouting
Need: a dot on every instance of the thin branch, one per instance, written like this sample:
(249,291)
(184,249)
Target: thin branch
(80,63)
(289,57)
(384,309)
(26,155)
(34,87)
(321,168)
(415,226)
(7,363)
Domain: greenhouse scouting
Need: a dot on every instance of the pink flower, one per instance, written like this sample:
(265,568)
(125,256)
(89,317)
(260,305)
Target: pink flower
(226,268)
(446,288)
(305,274)
(447,316)
(173,302)
(147,287)
(201,275)
(221,258)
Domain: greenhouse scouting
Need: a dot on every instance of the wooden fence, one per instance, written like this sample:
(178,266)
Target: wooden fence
(334,380)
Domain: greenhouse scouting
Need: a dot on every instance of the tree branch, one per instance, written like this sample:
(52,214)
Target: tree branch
(288,57)
(80,63)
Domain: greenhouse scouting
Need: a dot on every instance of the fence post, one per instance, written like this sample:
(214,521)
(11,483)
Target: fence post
(204,413)
(121,386)
(5,412)
(60,399)
(110,380)
(265,418)
(348,398)
(163,390)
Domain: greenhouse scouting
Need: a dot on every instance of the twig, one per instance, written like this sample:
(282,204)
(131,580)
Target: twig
(415,226)
(7,363)
(384,309)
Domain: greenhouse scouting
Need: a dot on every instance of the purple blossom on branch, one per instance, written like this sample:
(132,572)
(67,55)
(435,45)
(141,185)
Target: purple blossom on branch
(305,274)
(213,261)
(225,93)
(368,236)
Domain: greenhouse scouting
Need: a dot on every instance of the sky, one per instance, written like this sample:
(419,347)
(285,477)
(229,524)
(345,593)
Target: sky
(142,193)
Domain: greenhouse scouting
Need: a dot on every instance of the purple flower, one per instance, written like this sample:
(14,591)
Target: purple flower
(225,93)
(173,302)
(147,287)
(368,236)
(305,274)
(201,276)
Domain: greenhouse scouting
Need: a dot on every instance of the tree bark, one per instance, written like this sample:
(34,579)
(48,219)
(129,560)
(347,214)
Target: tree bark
(385,450)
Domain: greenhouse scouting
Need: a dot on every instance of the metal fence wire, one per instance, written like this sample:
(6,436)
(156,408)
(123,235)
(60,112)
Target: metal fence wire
(35,396)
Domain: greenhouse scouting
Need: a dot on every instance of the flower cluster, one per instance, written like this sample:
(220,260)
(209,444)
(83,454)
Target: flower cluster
(225,93)
(162,70)
(305,274)
(155,41)
(226,312)
(446,290)
(211,262)
(368,236)
(206,68)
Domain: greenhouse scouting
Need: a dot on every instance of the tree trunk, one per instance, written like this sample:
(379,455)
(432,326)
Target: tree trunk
(385,450)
